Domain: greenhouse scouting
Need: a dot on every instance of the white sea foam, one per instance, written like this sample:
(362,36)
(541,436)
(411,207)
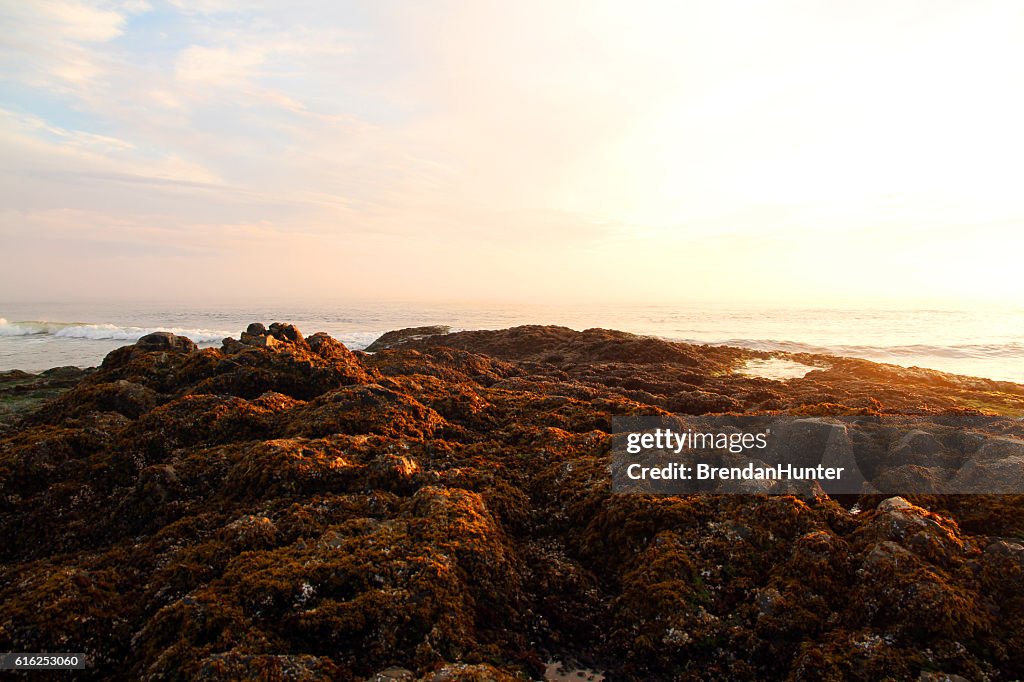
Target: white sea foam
(778,369)
(969,350)
(82,330)
(113,332)
(359,340)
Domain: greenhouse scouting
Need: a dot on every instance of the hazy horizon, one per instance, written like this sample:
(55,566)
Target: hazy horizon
(734,153)
(300,300)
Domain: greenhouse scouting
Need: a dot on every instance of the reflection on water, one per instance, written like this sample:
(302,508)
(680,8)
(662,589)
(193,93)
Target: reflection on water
(775,368)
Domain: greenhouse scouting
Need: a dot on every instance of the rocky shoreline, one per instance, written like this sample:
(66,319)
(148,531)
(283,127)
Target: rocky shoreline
(285,508)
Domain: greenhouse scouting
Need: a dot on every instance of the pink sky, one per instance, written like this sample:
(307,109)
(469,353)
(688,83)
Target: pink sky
(518,151)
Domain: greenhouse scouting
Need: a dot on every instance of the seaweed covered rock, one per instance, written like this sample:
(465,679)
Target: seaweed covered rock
(23,392)
(283,508)
(400,336)
(166,341)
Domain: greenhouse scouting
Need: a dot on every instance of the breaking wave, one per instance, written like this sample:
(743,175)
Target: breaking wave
(358,340)
(82,330)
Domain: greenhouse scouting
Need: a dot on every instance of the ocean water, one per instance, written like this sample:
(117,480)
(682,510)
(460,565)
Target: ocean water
(985,342)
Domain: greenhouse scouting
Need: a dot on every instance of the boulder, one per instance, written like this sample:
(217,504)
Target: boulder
(166,341)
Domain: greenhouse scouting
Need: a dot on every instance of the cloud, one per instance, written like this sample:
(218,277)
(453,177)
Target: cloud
(216,66)
(52,44)
(493,139)
(71,21)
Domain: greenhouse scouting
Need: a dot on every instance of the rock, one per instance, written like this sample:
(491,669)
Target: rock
(165,341)
(231,346)
(990,476)
(288,333)
(920,448)
(913,479)
(129,398)
(327,347)
(767,601)
(462,672)
(701,402)
(392,472)
(918,442)
(1006,548)
(898,520)
(364,409)
(400,336)
(394,674)
(250,532)
(16,375)
(893,503)
(887,556)
(63,374)
(22,393)
(281,508)
(809,442)
(940,677)
(238,666)
(993,449)
(279,335)
(267,341)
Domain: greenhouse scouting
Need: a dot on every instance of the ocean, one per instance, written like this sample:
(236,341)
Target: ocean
(981,342)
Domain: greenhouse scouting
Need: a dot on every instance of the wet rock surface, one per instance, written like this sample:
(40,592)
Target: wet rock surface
(400,336)
(23,392)
(284,509)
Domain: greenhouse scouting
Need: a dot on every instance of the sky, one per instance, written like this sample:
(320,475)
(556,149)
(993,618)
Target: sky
(530,151)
